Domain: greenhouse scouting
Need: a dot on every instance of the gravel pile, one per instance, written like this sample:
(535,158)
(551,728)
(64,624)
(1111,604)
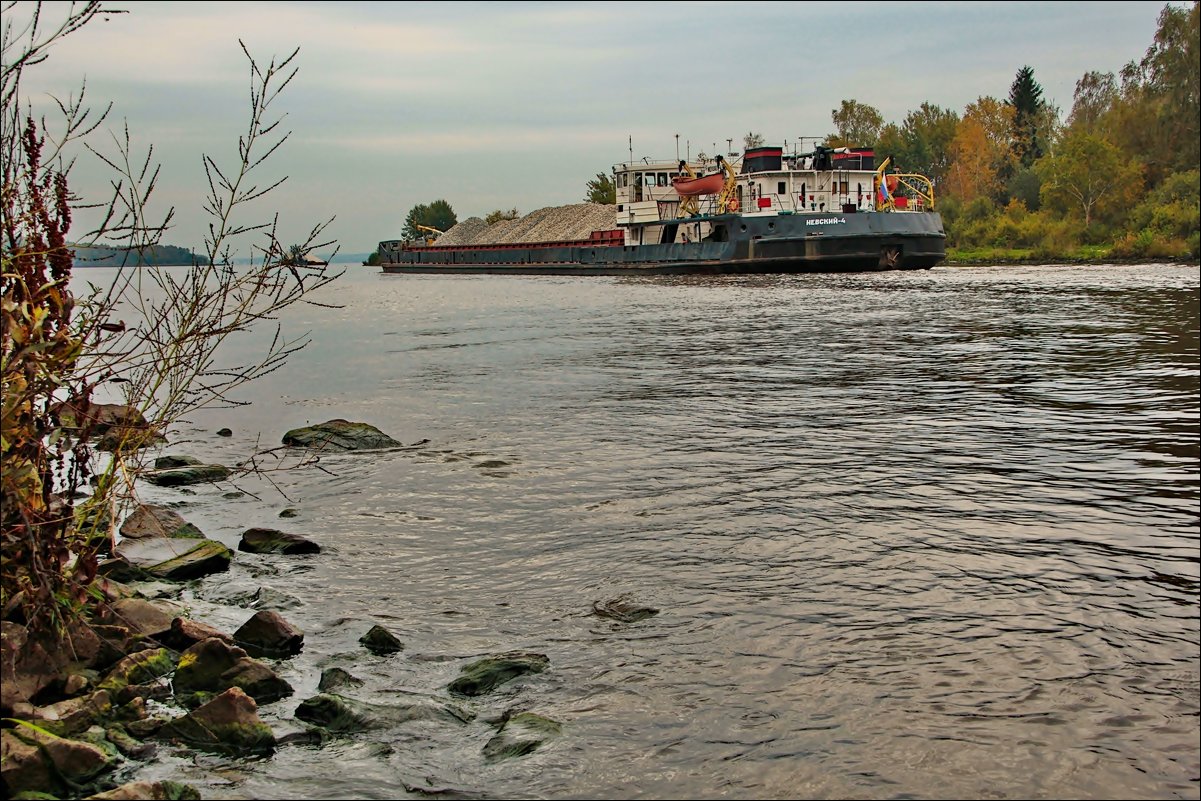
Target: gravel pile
(463,233)
(551,224)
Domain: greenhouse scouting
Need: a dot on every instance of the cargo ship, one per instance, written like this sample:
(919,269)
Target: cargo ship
(767,211)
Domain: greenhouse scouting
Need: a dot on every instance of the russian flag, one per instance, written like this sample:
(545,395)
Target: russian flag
(883,189)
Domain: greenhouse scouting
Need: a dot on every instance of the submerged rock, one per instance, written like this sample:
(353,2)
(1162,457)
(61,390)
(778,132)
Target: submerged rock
(183,476)
(624,609)
(486,674)
(340,435)
(521,734)
(337,713)
(170,462)
(335,677)
(381,642)
(269,540)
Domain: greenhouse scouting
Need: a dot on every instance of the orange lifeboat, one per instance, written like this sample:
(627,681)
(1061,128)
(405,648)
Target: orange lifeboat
(691,187)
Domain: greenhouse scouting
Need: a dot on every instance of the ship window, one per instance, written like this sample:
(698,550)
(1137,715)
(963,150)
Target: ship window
(637,179)
(662,179)
(650,179)
(780,188)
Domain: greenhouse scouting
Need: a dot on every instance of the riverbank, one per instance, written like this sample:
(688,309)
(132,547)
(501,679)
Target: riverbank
(87,711)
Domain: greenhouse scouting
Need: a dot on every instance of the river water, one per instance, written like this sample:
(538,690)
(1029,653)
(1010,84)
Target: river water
(911,535)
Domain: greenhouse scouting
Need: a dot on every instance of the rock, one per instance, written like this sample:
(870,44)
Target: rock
(74,715)
(112,590)
(145,728)
(337,713)
(150,791)
(128,746)
(23,767)
(138,668)
(26,666)
(75,684)
(183,476)
(125,438)
(260,598)
(485,674)
(228,724)
(130,694)
(339,435)
(624,609)
(34,759)
(336,677)
(114,644)
(289,513)
(225,432)
(119,570)
(269,540)
(267,634)
(175,558)
(381,642)
(334,713)
(99,419)
(186,632)
(169,462)
(157,521)
(143,617)
(213,666)
(520,734)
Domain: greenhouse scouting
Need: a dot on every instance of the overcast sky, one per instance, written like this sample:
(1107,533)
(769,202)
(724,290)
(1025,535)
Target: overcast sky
(500,105)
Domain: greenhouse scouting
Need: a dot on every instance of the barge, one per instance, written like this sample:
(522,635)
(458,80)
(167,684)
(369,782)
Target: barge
(829,210)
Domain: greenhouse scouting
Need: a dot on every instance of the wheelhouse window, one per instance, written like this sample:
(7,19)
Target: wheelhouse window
(662,179)
(780,188)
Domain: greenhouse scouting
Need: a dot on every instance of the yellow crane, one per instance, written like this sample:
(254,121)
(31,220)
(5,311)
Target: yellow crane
(432,233)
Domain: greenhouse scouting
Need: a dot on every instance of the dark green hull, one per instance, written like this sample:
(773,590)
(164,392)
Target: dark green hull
(786,243)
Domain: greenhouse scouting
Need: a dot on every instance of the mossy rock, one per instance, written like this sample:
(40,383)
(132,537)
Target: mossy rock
(183,476)
(333,713)
(521,734)
(171,462)
(149,791)
(228,724)
(486,674)
(138,668)
(340,435)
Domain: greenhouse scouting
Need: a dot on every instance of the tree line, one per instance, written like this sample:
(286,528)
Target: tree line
(1119,176)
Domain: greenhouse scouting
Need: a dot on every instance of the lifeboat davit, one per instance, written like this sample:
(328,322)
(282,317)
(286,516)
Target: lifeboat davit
(691,187)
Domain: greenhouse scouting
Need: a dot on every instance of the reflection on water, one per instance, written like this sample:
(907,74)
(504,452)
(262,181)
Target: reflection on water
(911,535)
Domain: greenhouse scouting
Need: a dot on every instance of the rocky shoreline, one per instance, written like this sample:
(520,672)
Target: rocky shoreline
(84,712)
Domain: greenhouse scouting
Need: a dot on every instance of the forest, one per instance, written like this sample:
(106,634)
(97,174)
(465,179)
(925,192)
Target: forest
(1117,178)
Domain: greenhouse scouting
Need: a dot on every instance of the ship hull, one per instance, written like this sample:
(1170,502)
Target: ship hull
(800,243)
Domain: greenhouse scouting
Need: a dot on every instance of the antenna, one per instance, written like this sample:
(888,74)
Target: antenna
(631,148)
(677,147)
(730,145)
